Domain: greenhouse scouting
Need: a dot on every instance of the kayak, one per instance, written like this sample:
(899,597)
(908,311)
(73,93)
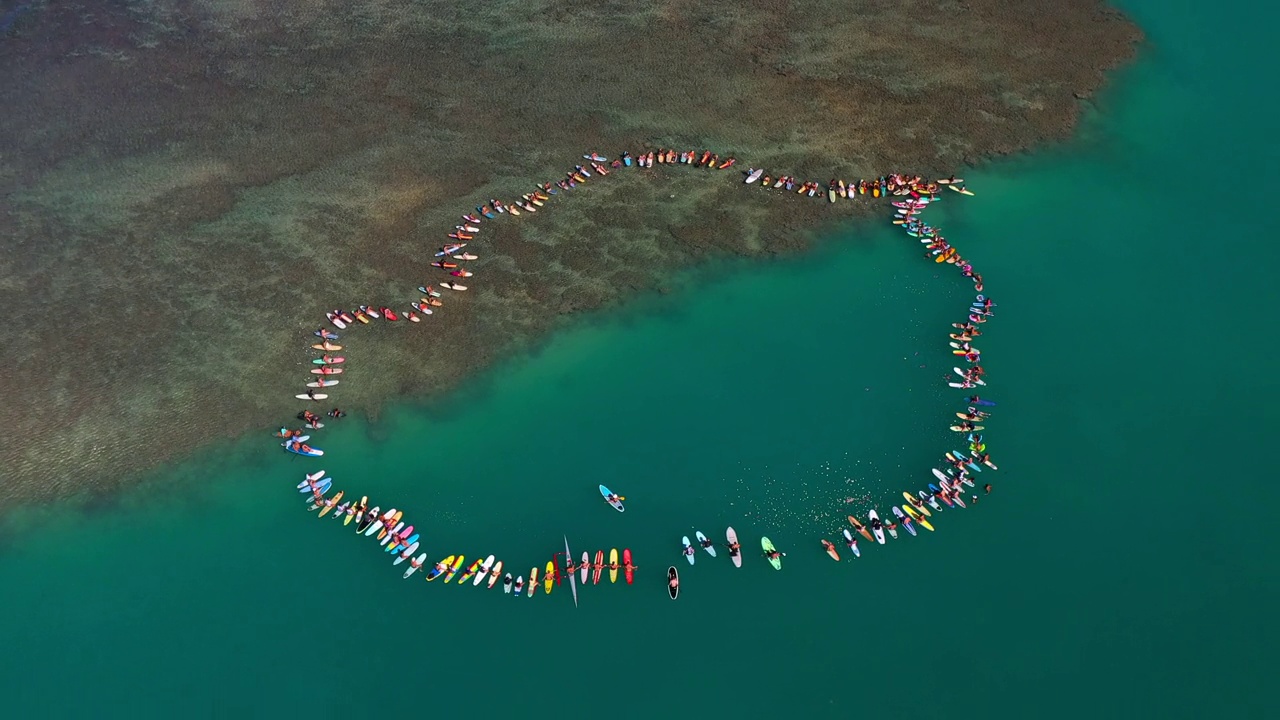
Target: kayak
(687,555)
(613,565)
(627,570)
(313,452)
(852,543)
(923,523)
(495,573)
(606,492)
(673,582)
(706,544)
(533,581)
(831,549)
(877,530)
(453,569)
(768,547)
(860,528)
(436,572)
(905,520)
(735,556)
(414,564)
(483,573)
(549,579)
(597,568)
(506,584)
(314,396)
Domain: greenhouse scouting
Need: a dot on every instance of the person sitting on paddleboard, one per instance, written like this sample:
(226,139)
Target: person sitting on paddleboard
(965,426)
(688,550)
(733,548)
(773,555)
(707,543)
(614,566)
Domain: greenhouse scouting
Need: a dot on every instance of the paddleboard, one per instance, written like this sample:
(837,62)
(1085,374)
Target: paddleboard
(627,570)
(606,492)
(687,545)
(323,383)
(702,540)
(506,584)
(549,580)
(735,556)
(408,553)
(533,581)
(673,582)
(519,586)
(414,564)
(585,568)
(495,574)
(471,570)
(961,456)
(918,518)
(326,371)
(768,547)
(904,520)
(313,452)
(613,565)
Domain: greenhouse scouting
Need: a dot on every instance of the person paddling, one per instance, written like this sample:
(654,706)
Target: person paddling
(734,548)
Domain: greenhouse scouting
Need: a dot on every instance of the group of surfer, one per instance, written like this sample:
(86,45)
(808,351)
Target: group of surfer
(917,193)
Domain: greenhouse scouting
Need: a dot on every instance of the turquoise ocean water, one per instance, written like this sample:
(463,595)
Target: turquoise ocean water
(1120,567)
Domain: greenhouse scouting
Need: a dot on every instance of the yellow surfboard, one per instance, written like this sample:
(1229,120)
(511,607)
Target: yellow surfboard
(549,580)
(613,565)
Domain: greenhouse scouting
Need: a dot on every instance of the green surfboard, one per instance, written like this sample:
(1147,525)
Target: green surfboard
(767,544)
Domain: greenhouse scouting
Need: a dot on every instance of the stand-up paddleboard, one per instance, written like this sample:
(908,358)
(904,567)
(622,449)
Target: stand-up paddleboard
(627,571)
(673,582)
(705,543)
(549,580)
(533,581)
(876,526)
(687,545)
(734,555)
(495,574)
(860,528)
(483,573)
(768,547)
(615,502)
(613,565)
(597,567)
(568,560)
(506,584)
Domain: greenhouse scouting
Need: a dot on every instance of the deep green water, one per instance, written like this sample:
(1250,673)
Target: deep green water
(1121,566)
